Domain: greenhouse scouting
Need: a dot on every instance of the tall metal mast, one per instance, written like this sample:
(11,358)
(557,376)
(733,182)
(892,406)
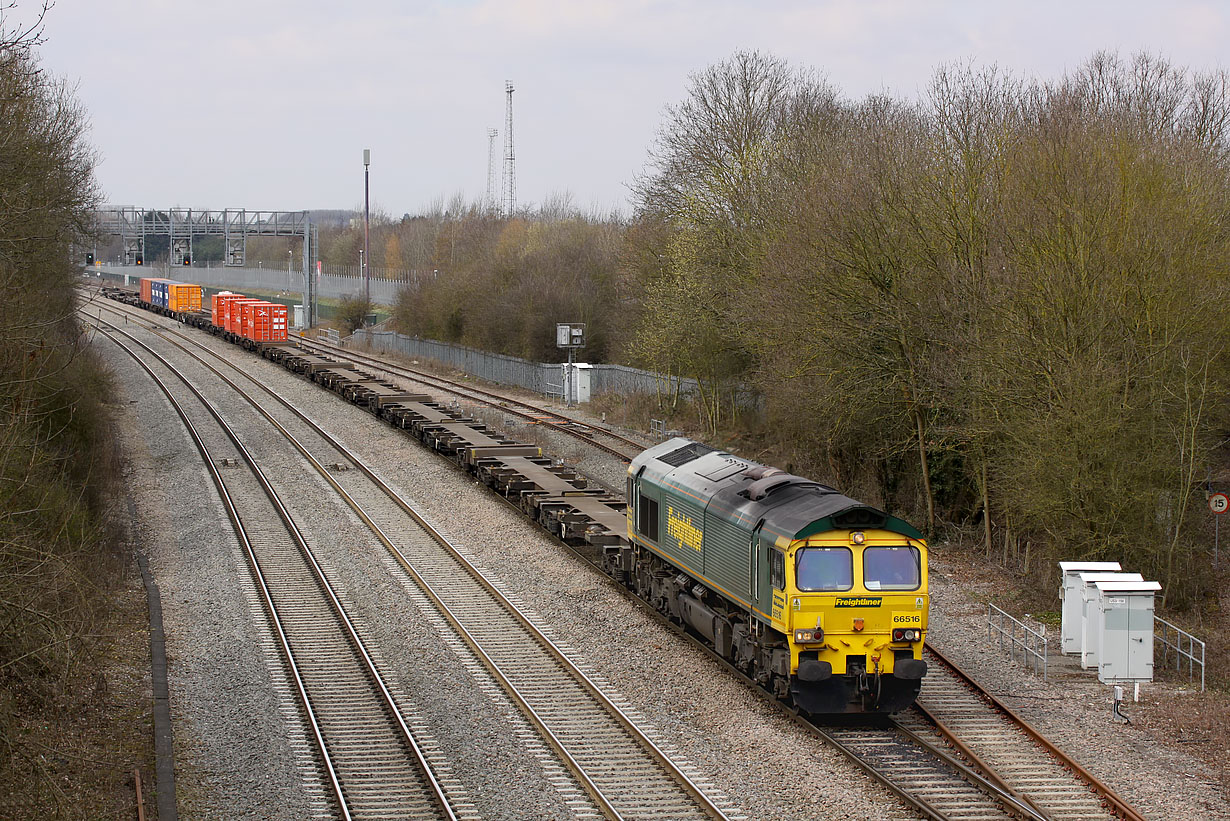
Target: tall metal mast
(510,166)
(489,204)
(367,251)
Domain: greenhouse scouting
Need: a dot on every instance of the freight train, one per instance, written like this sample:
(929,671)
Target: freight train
(244,320)
(818,598)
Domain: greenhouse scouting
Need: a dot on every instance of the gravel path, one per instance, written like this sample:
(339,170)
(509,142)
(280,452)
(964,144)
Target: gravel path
(238,742)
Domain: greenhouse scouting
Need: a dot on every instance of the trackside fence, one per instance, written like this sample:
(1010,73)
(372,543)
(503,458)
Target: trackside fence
(540,377)
(328,286)
(1181,647)
(1017,638)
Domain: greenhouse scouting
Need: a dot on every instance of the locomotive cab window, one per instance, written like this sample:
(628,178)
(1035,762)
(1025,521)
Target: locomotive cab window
(892,568)
(777,569)
(824,568)
(647,517)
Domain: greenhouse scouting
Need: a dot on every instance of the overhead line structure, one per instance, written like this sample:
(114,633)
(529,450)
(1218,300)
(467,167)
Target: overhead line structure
(492,133)
(367,251)
(234,225)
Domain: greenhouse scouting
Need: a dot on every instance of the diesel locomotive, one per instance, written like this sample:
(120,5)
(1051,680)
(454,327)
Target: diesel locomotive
(819,598)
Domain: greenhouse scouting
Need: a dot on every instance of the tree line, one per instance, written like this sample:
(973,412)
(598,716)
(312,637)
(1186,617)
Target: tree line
(998,309)
(59,561)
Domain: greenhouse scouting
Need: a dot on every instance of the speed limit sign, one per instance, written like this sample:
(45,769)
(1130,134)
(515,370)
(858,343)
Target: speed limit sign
(1219,503)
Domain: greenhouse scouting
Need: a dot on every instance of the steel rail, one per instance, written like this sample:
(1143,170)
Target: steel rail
(242,534)
(987,780)
(535,415)
(705,803)
(992,797)
(1117,803)
(301,543)
(992,782)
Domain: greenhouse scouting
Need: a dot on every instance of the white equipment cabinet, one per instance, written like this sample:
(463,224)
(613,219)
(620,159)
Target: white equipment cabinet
(1125,620)
(1070,591)
(577,378)
(1090,628)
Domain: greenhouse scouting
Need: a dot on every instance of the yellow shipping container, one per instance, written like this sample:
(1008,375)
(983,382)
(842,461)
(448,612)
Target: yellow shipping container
(182,296)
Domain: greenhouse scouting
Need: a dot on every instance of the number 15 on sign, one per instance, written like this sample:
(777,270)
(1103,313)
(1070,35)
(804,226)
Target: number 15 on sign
(1219,503)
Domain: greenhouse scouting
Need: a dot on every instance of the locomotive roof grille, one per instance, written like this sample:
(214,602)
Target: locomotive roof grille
(681,456)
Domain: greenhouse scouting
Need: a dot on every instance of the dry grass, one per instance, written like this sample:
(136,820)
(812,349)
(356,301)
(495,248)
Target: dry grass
(76,752)
(1197,724)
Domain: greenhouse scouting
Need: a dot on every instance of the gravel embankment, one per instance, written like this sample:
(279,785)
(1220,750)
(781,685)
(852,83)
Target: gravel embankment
(241,752)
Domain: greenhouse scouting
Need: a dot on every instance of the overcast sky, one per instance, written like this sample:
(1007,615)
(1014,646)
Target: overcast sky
(268,104)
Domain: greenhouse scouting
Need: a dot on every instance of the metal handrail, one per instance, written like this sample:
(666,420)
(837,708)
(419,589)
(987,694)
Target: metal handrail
(1177,646)
(1010,631)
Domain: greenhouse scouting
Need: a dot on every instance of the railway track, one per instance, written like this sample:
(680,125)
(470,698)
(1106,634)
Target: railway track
(927,777)
(605,440)
(1000,742)
(372,761)
(1000,768)
(622,770)
(959,753)
(988,765)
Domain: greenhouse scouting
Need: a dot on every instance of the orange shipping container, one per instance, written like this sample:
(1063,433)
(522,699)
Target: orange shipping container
(217,303)
(234,319)
(183,296)
(264,321)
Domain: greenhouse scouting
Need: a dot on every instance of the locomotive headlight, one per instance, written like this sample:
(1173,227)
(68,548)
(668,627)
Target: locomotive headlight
(808,636)
(858,537)
(900,634)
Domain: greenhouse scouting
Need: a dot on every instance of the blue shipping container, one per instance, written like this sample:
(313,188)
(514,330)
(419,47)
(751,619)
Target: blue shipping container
(158,292)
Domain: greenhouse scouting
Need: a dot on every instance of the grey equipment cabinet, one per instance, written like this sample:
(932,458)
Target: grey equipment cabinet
(1091,625)
(1125,610)
(1071,611)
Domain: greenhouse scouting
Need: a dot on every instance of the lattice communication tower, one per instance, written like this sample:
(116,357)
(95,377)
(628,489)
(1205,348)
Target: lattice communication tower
(489,204)
(510,163)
